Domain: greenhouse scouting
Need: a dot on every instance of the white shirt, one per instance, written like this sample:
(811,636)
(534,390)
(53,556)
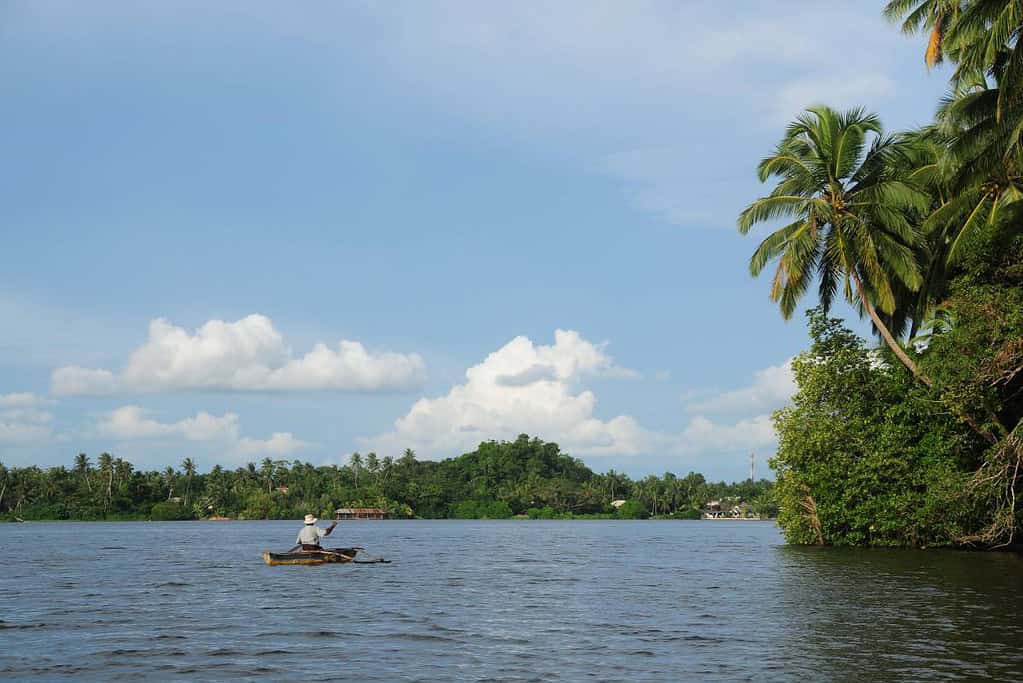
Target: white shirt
(311,534)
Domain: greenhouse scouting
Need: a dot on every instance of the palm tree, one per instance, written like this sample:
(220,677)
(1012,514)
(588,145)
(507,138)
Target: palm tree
(982,121)
(106,468)
(373,464)
(935,16)
(3,483)
(408,458)
(189,468)
(168,477)
(355,462)
(266,470)
(983,38)
(984,168)
(850,202)
(386,465)
(986,37)
(83,468)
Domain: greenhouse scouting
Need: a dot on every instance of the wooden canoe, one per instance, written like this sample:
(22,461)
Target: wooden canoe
(325,556)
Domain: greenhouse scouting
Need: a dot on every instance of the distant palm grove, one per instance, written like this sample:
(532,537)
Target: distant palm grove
(497,480)
(916,442)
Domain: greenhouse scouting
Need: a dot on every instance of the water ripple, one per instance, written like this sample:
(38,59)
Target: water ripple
(506,601)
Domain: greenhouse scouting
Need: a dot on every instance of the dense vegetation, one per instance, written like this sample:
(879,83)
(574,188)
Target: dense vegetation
(918,442)
(497,480)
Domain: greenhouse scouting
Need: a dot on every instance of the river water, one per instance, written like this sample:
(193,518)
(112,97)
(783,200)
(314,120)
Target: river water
(498,601)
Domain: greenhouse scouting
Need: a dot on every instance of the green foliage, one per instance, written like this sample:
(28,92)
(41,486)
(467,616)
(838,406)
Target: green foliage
(168,511)
(849,200)
(481,509)
(921,230)
(546,512)
(864,456)
(498,480)
(633,509)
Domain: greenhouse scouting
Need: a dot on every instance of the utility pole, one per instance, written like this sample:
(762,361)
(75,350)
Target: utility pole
(752,467)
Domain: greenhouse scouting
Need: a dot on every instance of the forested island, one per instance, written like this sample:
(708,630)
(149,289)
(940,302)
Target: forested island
(917,442)
(498,480)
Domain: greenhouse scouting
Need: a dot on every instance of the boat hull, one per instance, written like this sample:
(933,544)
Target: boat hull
(311,557)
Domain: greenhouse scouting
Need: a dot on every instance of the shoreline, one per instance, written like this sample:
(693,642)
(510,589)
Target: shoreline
(370,521)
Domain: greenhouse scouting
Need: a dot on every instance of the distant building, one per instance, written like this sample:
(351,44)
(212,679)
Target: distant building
(712,510)
(360,513)
(282,489)
(617,503)
(715,509)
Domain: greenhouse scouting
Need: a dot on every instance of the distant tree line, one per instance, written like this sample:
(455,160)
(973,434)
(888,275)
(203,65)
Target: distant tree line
(526,476)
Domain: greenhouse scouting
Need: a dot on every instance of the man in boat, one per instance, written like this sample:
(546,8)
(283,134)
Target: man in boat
(310,535)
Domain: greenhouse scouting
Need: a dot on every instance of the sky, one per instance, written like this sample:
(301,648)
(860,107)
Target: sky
(234,230)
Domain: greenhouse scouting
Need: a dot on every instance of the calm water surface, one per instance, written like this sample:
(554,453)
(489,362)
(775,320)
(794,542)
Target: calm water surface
(498,601)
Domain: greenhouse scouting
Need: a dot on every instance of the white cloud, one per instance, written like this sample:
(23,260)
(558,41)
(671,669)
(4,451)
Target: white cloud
(534,389)
(23,420)
(134,423)
(850,89)
(279,443)
(24,399)
(73,380)
(702,434)
(771,389)
(520,388)
(14,431)
(245,355)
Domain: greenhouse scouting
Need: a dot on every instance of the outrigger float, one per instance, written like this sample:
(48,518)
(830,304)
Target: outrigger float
(322,556)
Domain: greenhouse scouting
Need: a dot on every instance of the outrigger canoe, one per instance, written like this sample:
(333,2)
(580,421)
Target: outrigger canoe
(324,556)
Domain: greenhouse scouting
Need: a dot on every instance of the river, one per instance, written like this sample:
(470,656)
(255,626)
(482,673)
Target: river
(498,601)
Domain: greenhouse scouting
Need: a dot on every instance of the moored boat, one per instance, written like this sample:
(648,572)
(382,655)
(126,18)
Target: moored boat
(324,556)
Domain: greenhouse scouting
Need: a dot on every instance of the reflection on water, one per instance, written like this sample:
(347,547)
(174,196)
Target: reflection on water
(904,613)
(498,601)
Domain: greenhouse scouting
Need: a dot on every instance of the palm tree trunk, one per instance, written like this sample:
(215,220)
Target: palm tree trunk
(894,345)
(901,354)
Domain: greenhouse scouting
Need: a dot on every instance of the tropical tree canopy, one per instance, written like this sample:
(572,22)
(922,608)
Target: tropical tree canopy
(850,200)
(845,183)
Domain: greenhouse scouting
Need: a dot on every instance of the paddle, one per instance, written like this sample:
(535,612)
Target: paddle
(353,560)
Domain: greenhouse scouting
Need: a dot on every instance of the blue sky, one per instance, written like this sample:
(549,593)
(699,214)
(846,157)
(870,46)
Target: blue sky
(201,203)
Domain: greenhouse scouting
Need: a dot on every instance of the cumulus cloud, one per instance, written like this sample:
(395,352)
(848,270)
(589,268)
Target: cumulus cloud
(279,443)
(771,389)
(521,387)
(528,388)
(134,423)
(24,399)
(245,355)
(73,380)
(23,418)
(702,434)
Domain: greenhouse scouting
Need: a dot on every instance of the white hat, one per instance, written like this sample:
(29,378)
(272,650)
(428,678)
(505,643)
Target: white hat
(309,519)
